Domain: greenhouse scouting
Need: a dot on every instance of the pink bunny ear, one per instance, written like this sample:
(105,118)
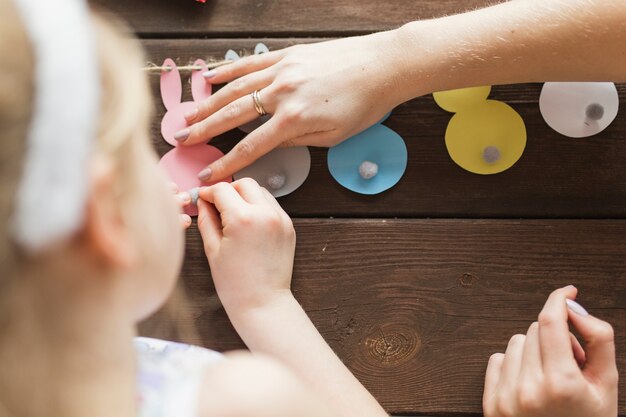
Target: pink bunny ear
(200,88)
(171,85)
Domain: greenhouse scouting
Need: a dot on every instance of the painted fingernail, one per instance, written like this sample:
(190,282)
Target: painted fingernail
(190,115)
(185,218)
(182,135)
(576,308)
(185,197)
(205,174)
(209,74)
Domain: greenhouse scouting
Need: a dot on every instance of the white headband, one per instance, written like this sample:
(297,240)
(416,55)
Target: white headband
(51,197)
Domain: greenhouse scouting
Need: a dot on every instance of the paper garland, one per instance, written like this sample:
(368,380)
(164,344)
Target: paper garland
(484,136)
(370,162)
(281,171)
(171,94)
(455,101)
(577,109)
(183,163)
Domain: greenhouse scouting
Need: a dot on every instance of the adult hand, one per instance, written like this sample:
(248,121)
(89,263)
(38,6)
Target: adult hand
(249,241)
(540,373)
(319,94)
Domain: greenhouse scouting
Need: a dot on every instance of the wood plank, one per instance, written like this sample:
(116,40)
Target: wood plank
(556,176)
(415,307)
(277,17)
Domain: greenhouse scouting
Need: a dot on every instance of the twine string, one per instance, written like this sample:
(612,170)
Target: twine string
(151,67)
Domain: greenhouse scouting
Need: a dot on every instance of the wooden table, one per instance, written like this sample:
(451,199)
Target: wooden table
(416,287)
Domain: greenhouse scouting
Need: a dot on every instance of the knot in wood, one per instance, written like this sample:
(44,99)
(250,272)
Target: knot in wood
(467,279)
(393,345)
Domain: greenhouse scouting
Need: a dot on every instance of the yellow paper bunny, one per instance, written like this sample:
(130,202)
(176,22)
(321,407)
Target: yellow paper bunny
(484,136)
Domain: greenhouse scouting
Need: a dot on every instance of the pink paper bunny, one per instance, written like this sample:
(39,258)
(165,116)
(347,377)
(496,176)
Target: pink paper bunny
(172,93)
(183,163)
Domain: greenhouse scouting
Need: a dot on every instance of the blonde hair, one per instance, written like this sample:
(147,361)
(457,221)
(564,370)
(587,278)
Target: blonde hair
(125,113)
(16,96)
(124,110)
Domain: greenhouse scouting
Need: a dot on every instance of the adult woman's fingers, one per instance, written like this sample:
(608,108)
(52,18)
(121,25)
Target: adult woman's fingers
(229,93)
(249,149)
(554,339)
(325,138)
(234,114)
(244,66)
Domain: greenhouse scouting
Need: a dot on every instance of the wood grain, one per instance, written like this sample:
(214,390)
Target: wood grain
(556,176)
(415,307)
(186,18)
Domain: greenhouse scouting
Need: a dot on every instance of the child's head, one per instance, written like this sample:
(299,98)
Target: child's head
(129,243)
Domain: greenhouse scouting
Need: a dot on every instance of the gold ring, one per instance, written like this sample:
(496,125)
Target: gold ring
(258,106)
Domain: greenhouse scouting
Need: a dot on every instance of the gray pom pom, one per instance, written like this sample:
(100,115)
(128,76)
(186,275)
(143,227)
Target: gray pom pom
(368,170)
(491,154)
(194,195)
(276,180)
(594,111)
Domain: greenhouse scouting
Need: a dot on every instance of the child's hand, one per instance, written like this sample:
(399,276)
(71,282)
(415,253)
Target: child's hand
(249,241)
(182,199)
(539,374)
(250,249)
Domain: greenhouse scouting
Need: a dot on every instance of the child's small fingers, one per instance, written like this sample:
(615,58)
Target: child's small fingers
(185,220)
(557,356)
(599,342)
(531,357)
(172,186)
(579,352)
(223,196)
(492,378)
(286,220)
(512,364)
(210,226)
(184,198)
(271,200)
(249,190)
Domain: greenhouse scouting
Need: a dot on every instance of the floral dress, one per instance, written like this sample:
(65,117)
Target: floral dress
(170,377)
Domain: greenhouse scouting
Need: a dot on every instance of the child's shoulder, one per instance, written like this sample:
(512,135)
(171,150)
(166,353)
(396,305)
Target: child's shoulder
(166,352)
(170,375)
